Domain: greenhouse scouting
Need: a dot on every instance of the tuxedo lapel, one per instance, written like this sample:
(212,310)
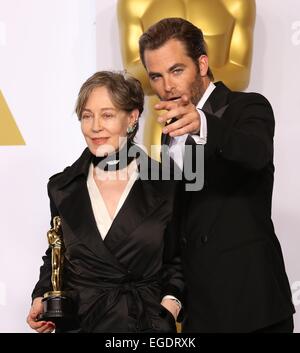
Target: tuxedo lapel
(217,102)
(207,108)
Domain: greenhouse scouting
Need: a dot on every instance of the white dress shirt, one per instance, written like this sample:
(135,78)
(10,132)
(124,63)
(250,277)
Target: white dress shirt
(101,214)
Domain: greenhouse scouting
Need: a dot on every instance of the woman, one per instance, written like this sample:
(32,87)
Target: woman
(120,261)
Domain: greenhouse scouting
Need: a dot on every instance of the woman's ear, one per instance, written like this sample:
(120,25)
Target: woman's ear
(133,117)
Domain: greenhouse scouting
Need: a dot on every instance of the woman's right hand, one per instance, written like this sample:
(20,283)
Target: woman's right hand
(35,311)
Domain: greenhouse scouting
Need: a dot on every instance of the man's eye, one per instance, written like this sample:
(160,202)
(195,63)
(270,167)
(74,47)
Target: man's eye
(154,78)
(177,71)
(86,117)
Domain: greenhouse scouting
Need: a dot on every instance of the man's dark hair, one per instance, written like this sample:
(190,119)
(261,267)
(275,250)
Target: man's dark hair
(175,28)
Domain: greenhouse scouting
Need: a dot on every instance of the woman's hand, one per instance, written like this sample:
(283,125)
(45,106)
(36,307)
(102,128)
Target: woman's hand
(171,306)
(35,311)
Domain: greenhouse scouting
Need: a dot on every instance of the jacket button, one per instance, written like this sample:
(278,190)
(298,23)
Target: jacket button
(204,239)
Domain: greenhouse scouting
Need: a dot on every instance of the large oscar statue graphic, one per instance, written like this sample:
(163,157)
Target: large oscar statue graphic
(58,307)
(228,31)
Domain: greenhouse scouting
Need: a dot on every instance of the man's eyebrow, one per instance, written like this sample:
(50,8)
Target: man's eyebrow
(175,66)
(170,69)
(151,73)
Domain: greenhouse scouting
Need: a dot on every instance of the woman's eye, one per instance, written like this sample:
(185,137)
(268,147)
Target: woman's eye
(86,117)
(107,116)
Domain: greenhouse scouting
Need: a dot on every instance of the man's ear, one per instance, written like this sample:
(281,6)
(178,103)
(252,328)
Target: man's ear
(203,65)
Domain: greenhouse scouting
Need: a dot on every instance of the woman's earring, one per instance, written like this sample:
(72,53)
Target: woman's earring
(130,129)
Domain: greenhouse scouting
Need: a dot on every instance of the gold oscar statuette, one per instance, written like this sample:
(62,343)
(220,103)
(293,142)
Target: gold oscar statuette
(58,306)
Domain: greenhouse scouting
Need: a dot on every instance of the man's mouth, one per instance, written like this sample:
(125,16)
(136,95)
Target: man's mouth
(174,98)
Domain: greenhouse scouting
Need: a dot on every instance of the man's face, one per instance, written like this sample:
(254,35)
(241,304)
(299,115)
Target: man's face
(173,73)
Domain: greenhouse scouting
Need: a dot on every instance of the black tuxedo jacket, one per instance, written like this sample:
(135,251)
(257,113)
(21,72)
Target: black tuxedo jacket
(235,274)
(117,282)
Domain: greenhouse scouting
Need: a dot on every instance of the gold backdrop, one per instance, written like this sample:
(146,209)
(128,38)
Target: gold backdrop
(227,26)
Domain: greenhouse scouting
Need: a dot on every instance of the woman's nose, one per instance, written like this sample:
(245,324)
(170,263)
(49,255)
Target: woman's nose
(96,126)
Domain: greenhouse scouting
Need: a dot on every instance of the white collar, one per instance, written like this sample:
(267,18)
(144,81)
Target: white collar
(206,95)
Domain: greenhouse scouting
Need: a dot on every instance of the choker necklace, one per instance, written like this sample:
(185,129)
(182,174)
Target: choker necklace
(114,161)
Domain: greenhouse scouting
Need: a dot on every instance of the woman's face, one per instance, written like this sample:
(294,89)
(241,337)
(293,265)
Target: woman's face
(103,125)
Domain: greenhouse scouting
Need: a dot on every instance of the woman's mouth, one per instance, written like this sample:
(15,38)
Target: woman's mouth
(99,140)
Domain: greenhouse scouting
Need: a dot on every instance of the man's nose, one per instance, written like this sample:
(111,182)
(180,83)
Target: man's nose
(168,84)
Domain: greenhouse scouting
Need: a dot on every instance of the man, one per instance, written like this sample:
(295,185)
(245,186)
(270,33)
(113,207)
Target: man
(235,275)
(230,45)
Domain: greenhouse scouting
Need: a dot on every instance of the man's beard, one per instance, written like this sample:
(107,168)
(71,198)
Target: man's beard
(197,89)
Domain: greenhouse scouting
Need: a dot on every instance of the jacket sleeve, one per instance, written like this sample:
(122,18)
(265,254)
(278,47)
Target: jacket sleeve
(245,136)
(44,283)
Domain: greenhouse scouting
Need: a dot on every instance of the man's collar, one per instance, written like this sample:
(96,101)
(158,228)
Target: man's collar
(206,95)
